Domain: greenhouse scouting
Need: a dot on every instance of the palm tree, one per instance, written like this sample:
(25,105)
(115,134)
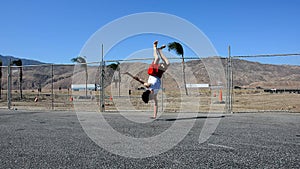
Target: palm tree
(113,66)
(177,47)
(0,78)
(116,67)
(19,64)
(82,60)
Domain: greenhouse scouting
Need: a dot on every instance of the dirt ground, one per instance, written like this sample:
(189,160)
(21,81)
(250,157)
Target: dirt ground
(169,101)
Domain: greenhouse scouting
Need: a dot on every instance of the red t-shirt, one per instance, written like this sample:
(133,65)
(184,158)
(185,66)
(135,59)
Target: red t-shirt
(154,70)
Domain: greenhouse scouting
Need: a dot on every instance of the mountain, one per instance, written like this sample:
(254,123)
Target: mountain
(254,74)
(5,60)
(246,74)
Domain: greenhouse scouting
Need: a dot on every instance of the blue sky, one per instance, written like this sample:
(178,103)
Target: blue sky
(55,31)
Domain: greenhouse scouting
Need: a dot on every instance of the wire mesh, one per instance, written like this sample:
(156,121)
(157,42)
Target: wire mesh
(259,85)
(253,86)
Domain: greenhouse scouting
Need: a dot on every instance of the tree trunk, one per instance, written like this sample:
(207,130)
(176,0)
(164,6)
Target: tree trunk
(86,81)
(183,71)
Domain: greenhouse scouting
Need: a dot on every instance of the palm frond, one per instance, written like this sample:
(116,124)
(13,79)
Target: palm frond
(113,66)
(17,62)
(74,60)
(79,59)
(177,47)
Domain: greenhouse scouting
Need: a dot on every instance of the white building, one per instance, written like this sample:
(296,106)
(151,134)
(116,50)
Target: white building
(81,87)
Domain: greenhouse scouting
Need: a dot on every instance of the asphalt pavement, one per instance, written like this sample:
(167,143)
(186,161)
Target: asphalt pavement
(56,139)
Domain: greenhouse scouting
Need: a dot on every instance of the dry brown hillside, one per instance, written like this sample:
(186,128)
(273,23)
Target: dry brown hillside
(245,74)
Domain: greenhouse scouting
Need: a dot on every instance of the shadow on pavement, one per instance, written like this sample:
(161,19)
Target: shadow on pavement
(189,118)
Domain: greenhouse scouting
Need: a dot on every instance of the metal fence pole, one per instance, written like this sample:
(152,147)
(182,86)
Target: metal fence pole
(229,82)
(102,100)
(9,85)
(52,88)
(162,94)
(119,74)
(231,85)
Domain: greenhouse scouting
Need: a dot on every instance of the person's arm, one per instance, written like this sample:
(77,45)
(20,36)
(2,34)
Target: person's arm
(155,107)
(138,79)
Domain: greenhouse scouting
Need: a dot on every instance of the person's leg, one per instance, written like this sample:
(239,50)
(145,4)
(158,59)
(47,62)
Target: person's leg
(156,58)
(163,57)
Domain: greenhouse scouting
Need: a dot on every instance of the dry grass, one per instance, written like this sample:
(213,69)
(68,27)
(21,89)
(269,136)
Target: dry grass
(170,101)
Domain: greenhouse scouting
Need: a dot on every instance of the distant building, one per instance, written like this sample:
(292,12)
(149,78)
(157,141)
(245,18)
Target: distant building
(197,85)
(81,87)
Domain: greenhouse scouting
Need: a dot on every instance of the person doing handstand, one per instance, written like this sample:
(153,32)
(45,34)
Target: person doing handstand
(155,71)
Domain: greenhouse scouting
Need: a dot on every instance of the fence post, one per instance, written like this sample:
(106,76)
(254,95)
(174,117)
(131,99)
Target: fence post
(231,85)
(119,74)
(52,87)
(102,100)
(162,93)
(9,84)
(229,82)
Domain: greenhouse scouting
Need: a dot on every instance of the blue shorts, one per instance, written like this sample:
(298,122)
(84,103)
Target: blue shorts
(155,83)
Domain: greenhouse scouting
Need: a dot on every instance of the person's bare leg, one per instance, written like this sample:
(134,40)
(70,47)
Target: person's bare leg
(156,58)
(163,57)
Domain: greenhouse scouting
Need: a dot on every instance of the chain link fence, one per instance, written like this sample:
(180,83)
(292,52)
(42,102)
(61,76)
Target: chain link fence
(37,87)
(263,83)
(247,86)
